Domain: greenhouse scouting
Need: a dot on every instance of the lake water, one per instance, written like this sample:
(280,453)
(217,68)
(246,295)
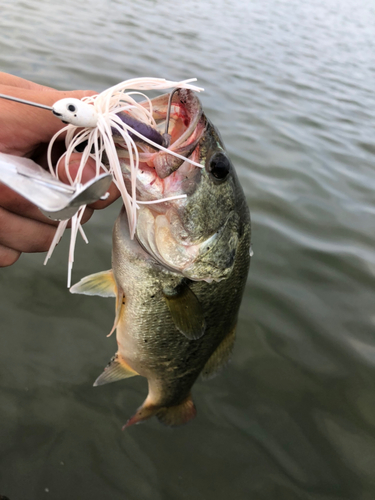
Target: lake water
(290,85)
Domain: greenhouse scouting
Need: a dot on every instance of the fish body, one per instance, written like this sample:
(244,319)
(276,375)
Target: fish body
(179,282)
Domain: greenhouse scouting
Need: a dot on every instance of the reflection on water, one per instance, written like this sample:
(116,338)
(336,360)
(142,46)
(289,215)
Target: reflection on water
(290,86)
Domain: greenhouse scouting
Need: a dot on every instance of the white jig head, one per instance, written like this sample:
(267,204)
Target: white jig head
(75,112)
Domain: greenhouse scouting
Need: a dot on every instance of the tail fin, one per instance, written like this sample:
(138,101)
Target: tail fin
(177,415)
(168,415)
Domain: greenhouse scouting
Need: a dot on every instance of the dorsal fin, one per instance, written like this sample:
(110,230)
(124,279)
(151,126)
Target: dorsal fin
(102,284)
(186,311)
(116,369)
(220,357)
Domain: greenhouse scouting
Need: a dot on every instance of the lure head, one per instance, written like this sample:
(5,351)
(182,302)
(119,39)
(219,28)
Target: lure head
(75,112)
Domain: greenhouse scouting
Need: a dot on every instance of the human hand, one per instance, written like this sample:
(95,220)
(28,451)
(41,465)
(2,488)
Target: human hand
(26,131)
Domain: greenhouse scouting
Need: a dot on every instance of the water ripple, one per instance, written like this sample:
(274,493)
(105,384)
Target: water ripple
(290,85)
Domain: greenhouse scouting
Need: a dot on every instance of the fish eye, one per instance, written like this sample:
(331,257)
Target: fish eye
(71,107)
(219,166)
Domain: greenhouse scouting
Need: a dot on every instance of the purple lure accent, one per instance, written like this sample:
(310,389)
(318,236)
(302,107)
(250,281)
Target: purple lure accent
(140,127)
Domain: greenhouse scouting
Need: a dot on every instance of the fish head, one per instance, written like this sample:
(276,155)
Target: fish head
(197,233)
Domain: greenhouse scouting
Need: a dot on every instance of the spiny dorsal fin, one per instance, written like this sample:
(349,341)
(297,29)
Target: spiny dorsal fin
(187,312)
(116,369)
(102,284)
(220,357)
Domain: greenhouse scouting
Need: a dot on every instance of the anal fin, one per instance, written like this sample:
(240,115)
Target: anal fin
(116,369)
(102,284)
(220,357)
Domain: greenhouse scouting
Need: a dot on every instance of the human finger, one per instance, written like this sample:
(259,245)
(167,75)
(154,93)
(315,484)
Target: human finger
(8,256)
(26,235)
(17,81)
(23,234)
(17,204)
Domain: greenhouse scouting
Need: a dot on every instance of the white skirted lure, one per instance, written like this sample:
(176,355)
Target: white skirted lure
(94,119)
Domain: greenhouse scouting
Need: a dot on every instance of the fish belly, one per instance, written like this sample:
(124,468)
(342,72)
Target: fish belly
(147,337)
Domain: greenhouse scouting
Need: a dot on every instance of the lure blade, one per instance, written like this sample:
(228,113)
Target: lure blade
(56,200)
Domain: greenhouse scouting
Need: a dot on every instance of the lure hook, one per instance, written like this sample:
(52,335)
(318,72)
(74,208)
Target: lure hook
(166,136)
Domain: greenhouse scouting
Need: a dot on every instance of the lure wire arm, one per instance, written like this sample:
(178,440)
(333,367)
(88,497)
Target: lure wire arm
(166,136)
(23,101)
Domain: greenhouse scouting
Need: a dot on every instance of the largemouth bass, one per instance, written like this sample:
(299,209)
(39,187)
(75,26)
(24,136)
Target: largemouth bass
(179,283)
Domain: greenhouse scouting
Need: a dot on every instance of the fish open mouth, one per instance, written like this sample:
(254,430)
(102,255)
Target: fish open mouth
(157,174)
(162,176)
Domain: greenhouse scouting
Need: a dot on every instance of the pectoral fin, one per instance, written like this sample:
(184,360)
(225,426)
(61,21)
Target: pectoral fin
(116,369)
(102,284)
(187,312)
(220,356)
(120,302)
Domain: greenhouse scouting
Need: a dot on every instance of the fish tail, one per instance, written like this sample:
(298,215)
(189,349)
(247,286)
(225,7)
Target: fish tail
(168,415)
(177,415)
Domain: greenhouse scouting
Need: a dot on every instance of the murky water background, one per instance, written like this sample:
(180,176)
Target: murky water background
(290,85)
